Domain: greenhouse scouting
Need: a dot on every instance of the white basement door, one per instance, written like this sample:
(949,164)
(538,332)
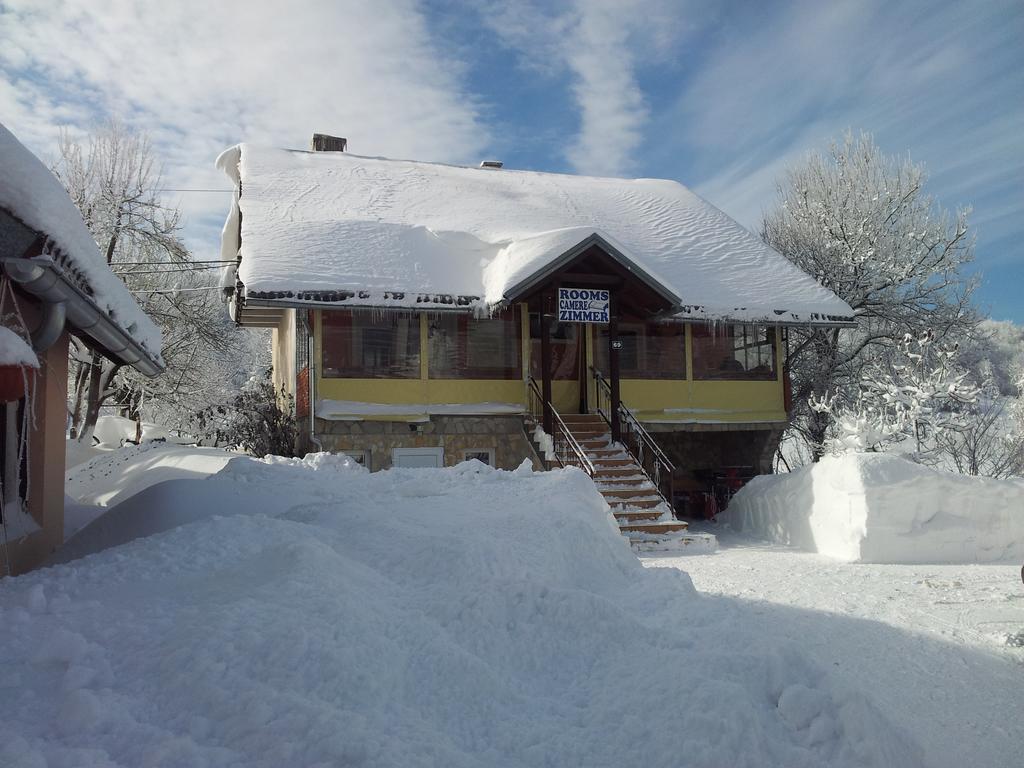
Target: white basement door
(417,457)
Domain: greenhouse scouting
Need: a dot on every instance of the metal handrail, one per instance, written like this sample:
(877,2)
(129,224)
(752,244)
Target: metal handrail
(567,449)
(642,444)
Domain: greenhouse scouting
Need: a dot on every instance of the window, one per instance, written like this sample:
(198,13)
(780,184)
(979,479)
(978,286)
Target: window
(743,352)
(362,458)
(485,455)
(565,350)
(649,350)
(370,345)
(465,347)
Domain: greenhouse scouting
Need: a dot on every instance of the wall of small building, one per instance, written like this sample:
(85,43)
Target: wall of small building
(502,437)
(282,352)
(668,406)
(423,390)
(46,461)
(683,401)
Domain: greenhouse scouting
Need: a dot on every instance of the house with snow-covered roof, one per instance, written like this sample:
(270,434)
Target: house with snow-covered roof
(424,313)
(53,282)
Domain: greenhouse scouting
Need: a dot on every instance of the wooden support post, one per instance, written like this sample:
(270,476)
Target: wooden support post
(545,361)
(613,366)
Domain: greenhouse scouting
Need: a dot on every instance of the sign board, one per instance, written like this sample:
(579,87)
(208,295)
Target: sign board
(582,305)
(616,345)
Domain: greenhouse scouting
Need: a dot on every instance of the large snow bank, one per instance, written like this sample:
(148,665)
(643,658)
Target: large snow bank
(32,194)
(113,476)
(879,508)
(317,614)
(393,231)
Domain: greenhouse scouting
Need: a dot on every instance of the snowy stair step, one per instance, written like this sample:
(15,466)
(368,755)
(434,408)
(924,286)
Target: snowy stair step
(631,493)
(631,528)
(637,515)
(680,542)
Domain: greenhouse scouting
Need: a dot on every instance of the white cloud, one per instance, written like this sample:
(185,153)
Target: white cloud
(201,75)
(601,44)
(942,81)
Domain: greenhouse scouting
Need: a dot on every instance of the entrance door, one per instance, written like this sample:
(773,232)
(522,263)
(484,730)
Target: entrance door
(417,457)
(567,362)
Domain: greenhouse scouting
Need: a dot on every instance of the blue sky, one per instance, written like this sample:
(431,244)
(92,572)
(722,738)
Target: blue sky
(720,96)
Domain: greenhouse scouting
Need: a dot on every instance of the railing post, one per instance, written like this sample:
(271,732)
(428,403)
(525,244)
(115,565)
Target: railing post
(545,361)
(613,366)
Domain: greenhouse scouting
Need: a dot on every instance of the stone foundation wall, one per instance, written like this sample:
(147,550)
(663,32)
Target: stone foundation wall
(503,436)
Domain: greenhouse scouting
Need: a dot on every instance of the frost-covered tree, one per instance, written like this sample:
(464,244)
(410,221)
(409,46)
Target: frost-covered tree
(113,178)
(915,393)
(861,223)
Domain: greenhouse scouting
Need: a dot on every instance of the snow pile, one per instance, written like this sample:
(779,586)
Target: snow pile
(390,232)
(880,508)
(14,350)
(113,476)
(32,194)
(313,613)
(115,431)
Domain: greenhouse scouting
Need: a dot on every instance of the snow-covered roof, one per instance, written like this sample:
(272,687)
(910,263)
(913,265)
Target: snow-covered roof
(32,194)
(338,227)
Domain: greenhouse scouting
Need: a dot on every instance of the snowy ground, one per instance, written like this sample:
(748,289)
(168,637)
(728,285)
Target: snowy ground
(308,613)
(938,645)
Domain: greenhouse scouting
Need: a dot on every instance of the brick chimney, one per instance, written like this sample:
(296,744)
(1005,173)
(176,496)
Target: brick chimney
(323,143)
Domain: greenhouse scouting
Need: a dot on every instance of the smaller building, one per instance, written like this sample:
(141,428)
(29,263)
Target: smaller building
(424,314)
(55,282)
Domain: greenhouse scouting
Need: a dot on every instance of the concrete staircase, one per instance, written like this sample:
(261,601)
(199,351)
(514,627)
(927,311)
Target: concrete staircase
(642,514)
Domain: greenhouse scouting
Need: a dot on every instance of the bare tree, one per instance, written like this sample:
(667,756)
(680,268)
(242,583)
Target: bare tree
(991,442)
(862,225)
(114,180)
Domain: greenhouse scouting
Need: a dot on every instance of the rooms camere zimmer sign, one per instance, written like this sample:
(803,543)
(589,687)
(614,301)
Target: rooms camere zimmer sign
(582,305)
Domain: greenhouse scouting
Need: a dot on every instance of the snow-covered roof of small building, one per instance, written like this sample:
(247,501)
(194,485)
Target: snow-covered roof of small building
(341,228)
(30,193)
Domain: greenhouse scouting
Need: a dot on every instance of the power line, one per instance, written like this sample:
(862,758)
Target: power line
(167,189)
(180,290)
(163,271)
(171,263)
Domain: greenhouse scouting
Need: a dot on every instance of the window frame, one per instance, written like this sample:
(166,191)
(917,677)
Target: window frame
(463,371)
(346,320)
(745,374)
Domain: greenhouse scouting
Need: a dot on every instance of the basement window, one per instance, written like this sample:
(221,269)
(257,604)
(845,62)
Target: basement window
(480,454)
(734,352)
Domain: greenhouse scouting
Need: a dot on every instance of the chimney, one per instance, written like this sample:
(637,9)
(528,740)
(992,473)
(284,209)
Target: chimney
(491,164)
(323,143)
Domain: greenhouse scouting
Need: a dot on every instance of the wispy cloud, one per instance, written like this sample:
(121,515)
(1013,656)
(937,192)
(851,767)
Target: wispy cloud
(201,75)
(601,43)
(942,82)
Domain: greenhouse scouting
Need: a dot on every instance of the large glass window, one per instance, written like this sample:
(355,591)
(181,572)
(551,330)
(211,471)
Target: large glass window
(371,345)
(733,352)
(465,347)
(649,350)
(565,350)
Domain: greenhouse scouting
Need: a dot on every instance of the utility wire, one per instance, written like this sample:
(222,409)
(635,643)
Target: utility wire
(171,263)
(162,271)
(180,290)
